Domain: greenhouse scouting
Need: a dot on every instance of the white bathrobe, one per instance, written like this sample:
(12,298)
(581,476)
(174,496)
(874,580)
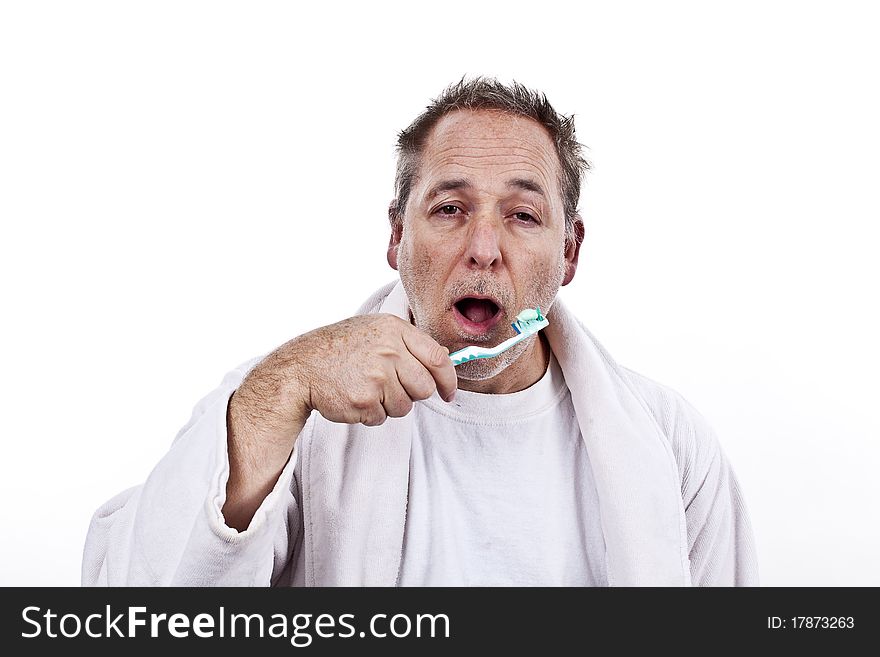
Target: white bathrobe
(672,513)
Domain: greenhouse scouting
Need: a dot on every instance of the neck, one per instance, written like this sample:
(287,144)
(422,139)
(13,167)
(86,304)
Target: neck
(522,373)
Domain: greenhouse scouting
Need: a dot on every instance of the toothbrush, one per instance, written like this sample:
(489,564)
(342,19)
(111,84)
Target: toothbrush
(527,324)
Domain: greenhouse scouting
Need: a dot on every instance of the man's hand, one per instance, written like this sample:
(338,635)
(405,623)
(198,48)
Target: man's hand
(361,370)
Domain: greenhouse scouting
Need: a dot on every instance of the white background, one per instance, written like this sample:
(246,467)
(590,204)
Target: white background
(186,185)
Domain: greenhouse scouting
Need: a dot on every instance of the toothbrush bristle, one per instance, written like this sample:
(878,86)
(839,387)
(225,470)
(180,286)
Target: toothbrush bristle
(532,322)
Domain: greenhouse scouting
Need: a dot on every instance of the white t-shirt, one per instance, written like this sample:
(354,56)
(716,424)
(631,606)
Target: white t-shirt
(501,492)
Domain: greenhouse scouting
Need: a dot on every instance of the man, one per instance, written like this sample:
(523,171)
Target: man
(356,454)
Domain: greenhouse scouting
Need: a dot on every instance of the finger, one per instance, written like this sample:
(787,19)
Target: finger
(373,416)
(415,378)
(434,357)
(395,398)
(365,405)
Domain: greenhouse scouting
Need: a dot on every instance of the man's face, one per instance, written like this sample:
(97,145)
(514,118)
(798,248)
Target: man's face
(482,237)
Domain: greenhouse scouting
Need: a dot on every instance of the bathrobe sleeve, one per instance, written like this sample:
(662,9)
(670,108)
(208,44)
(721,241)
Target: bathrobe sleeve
(720,542)
(721,545)
(170,530)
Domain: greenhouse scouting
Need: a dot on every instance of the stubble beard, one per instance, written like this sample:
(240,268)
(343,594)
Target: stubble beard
(542,293)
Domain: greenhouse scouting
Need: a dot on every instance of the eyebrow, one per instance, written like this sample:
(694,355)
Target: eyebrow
(447,186)
(526,184)
(461,183)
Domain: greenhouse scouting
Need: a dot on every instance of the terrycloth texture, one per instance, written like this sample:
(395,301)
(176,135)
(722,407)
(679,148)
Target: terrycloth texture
(671,510)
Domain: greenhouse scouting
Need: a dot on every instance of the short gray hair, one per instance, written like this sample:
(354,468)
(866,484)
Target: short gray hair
(482,93)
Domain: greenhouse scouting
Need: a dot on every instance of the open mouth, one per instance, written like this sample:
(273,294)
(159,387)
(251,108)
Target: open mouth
(477,315)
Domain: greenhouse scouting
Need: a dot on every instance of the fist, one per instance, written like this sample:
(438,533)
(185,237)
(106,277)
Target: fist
(361,370)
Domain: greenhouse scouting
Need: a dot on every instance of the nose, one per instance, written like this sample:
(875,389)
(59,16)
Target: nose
(484,244)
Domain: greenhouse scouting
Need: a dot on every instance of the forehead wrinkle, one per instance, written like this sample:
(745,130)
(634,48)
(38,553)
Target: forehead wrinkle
(451,152)
(514,148)
(518,174)
(527,169)
(506,156)
(538,164)
(494,142)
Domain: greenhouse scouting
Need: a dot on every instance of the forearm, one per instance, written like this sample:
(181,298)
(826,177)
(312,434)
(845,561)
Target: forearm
(257,457)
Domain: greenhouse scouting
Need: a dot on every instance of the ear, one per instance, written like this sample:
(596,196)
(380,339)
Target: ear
(396,233)
(572,250)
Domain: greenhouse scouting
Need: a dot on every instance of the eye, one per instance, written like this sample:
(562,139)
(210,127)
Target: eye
(525,216)
(447,210)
